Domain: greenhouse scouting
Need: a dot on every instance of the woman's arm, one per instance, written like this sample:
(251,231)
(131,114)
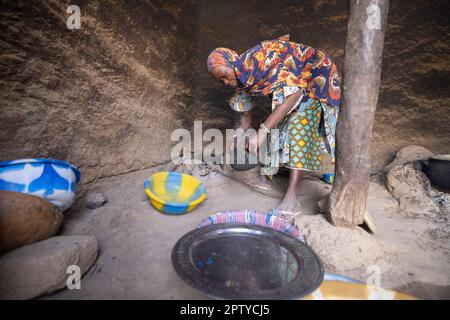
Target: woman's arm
(282,110)
(273,120)
(246,120)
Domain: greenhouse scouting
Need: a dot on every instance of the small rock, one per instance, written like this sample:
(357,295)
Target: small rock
(95,200)
(413,152)
(41,268)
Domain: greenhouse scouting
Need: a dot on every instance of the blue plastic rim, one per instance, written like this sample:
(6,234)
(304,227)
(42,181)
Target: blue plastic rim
(43,160)
(51,179)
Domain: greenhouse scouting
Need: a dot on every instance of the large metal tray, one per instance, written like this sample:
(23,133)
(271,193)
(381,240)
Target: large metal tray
(242,261)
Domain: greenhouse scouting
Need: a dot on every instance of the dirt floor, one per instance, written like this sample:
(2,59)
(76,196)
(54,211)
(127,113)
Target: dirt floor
(136,240)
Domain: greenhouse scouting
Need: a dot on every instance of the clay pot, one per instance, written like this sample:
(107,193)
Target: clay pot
(25,219)
(437,168)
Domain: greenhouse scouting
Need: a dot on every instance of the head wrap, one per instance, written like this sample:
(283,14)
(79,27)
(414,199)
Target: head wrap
(222,57)
(277,63)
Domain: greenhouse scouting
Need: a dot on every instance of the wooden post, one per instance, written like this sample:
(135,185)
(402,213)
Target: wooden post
(361,81)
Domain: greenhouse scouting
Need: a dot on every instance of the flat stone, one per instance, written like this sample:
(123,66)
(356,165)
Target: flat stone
(25,219)
(95,200)
(41,268)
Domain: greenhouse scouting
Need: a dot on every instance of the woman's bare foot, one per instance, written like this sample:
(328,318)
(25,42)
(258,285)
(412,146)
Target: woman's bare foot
(288,209)
(254,178)
(290,206)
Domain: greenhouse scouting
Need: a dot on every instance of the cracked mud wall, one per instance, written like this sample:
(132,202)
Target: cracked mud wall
(108,96)
(105,97)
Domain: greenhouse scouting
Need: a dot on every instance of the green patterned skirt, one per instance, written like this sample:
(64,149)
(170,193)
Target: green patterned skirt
(300,137)
(303,135)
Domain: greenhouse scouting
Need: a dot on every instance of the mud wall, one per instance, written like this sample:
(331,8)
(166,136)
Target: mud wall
(107,97)
(414,102)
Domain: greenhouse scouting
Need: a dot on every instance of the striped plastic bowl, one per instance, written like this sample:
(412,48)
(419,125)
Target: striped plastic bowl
(174,193)
(50,179)
(253,217)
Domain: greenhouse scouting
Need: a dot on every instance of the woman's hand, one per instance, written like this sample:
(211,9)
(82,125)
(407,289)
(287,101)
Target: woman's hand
(245,123)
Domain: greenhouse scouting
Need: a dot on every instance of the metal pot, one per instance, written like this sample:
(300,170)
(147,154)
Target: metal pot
(437,168)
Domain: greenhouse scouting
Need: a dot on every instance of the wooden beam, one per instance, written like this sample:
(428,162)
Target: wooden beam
(361,81)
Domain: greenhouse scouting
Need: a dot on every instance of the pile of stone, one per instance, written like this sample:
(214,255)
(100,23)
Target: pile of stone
(414,193)
(409,185)
(33,261)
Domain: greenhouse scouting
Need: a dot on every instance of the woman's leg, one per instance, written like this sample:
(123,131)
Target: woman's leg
(290,202)
(304,152)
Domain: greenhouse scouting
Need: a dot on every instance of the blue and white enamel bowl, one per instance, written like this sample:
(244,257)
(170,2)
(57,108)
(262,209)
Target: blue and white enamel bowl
(53,180)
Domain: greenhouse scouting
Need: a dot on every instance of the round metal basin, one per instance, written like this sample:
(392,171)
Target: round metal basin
(241,261)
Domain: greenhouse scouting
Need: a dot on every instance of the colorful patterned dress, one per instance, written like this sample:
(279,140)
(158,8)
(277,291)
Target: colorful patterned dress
(281,68)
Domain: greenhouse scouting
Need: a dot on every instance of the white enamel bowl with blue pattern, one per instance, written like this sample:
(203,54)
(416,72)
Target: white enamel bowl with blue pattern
(53,180)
